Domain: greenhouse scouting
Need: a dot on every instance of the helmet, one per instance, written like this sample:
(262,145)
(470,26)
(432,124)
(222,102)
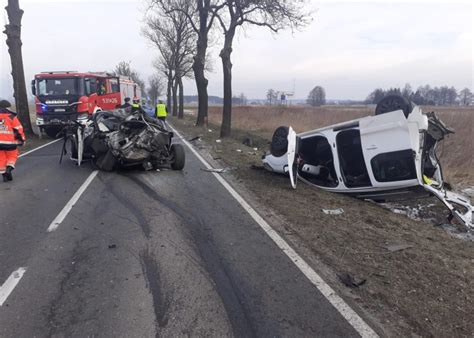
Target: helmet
(136,100)
(127,99)
(5,104)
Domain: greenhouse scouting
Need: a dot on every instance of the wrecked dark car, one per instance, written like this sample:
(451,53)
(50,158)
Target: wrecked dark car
(389,156)
(118,138)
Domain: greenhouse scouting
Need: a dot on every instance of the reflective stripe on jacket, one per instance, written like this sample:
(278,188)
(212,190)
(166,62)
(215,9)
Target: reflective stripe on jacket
(11,130)
(160,110)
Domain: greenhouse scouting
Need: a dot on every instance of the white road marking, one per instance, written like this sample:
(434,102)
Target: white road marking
(7,288)
(344,309)
(40,147)
(67,208)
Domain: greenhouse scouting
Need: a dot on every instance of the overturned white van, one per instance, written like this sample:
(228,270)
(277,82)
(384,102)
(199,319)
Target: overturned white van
(389,156)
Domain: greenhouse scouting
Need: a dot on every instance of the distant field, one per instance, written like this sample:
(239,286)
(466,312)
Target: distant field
(456,153)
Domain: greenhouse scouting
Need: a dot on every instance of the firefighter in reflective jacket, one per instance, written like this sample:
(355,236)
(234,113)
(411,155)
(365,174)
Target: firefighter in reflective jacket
(11,135)
(136,104)
(161,111)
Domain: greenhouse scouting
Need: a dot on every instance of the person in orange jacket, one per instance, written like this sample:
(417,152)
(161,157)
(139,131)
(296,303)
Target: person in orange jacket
(11,135)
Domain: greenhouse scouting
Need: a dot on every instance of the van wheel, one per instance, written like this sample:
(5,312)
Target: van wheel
(177,153)
(279,145)
(392,103)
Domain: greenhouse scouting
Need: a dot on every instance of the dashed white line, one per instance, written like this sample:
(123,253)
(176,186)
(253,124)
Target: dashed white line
(7,288)
(344,309)
(68,207)
(38,148)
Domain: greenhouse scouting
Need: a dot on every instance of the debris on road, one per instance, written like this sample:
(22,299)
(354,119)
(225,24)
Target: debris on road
(197,138)
(248,142)
(350,281)
(112,246)
(339,211)
(398,247)
(239,150)
(218,170)
(257,167)
(218,141)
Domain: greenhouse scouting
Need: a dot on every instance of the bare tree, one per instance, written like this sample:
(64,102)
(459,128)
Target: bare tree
(171,32)
(466,97)
(124,68)
(273,14)
(13,33)
(271,96)
(317,97)
(201,15)
(155,88)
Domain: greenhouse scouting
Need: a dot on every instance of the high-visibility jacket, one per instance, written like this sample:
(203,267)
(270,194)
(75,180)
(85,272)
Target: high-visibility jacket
(161,110)
(11,130)
(135,106)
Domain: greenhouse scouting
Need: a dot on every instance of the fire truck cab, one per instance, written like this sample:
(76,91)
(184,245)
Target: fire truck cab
(73,96)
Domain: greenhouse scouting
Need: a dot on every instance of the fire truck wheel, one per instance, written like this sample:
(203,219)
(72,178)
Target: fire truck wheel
(52,132)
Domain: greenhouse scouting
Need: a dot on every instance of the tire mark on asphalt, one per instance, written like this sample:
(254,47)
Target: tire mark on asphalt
(161,302)
(132,206)
(68,308)
(224,283)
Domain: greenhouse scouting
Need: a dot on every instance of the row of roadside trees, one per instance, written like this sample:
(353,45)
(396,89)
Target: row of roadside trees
(182,29)
(426,95)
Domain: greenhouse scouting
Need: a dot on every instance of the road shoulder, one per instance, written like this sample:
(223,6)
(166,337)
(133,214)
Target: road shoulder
(423,289)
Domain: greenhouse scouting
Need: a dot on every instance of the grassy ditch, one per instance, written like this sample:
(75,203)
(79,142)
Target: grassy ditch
(425,288)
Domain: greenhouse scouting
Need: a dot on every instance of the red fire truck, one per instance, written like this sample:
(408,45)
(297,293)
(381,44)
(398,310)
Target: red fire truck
(71,95)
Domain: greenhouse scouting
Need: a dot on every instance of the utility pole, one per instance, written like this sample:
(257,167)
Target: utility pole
(13,33)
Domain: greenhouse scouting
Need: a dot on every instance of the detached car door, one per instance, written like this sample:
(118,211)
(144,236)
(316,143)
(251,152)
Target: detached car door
(388,152)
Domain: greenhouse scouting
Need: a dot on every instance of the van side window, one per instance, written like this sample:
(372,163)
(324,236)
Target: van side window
(353,169)
(394,166)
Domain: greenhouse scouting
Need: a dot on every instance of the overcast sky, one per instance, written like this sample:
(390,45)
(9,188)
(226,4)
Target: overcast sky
(350,48)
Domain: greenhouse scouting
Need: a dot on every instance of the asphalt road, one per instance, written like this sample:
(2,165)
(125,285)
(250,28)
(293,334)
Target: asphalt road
(145,254)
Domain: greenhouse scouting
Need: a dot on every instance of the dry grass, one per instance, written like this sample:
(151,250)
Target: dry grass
(424,291)
(456,153)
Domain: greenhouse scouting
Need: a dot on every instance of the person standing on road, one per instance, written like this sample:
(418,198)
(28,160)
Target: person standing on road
(11,135)
(161,111)
(126,104)
(137,107)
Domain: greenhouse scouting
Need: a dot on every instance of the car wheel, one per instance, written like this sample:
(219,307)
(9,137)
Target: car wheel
(177,153)
(279,145)
(392,103)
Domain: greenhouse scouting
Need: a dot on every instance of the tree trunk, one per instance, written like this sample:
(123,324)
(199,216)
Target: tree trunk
(181,98)
(13,33)
(227,72)
(200,62)
(175,98)
(168,92)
